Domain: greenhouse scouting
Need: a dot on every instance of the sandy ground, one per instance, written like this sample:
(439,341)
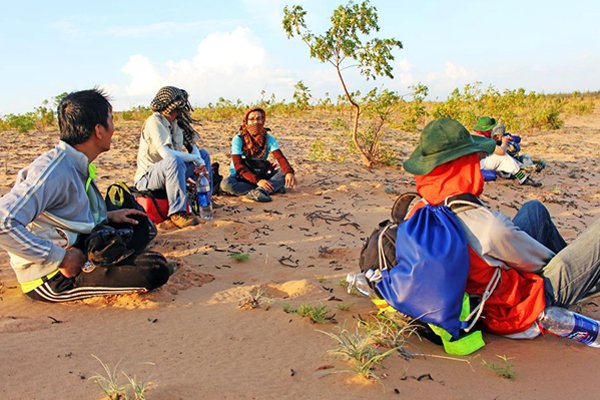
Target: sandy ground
(193,341)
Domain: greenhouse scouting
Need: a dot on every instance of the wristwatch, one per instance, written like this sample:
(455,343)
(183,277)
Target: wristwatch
(88,266)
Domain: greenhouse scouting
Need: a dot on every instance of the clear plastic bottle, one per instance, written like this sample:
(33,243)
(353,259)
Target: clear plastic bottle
(359,282)
(562,322)
(204,196)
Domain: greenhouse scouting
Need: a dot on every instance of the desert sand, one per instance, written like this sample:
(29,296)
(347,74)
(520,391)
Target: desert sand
(192,340)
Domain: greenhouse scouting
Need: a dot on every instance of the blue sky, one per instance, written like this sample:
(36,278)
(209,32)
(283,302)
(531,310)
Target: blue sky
(236,49)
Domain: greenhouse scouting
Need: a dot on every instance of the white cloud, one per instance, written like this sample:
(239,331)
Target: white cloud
(455,71)
(226,64)
(143,75)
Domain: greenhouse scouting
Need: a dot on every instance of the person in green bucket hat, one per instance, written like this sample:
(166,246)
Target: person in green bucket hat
(499,161)
(444,140)
(485,124)
(520,266)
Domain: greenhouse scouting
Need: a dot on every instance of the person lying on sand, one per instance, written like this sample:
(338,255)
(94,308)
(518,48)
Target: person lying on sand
(162,163)
(251,173)
(53,210)
(500,160)
(535,266)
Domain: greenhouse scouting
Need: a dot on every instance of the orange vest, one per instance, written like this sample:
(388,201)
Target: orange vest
(515,304)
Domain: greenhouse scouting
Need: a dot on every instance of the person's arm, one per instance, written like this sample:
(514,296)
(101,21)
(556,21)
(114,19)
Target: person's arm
(286,168)
(498,238)
(166,151)
(238,164)
(27,199)
(502,149)
(160,136)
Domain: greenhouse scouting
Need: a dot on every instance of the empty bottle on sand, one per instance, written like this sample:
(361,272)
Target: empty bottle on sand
(562,322)
(359,282)
(204,196)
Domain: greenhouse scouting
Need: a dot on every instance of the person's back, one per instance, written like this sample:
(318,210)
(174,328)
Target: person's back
(523,265)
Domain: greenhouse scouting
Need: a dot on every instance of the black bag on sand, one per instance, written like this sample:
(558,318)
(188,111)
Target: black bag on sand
(217,178)
(119,196)
(107,246)
(369,255)
(113,244)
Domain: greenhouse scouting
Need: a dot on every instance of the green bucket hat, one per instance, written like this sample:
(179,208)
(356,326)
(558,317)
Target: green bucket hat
(485,124)
(444,140)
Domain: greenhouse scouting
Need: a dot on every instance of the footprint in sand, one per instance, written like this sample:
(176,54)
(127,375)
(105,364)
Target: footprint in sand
(14,324)
(286,290)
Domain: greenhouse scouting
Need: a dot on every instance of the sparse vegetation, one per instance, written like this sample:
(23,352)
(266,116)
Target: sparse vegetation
(256,298)
(505,369)
(372,342)
(316,314)
(113,389)
(239,257)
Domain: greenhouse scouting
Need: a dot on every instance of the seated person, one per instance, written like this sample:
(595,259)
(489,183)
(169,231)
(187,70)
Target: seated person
(55,204)
(251,174)
(162,163)
(535,266)
(500,161)
(514,148)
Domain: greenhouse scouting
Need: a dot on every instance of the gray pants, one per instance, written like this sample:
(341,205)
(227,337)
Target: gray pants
(170,174)
(575,270)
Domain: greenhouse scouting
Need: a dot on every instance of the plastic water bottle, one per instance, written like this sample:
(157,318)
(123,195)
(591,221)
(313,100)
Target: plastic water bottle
(562,322)
(204,196)
(359,282)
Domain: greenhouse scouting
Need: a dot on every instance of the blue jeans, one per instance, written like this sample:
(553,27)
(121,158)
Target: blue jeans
(171,174)
(535,220)
(234,185)
(575,269)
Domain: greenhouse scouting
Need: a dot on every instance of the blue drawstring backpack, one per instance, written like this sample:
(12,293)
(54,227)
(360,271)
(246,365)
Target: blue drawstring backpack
(432,263)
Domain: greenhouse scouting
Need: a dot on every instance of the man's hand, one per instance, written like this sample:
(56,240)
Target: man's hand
(290,180)
(200,169)
(266,185)
(122,216)
(72,262)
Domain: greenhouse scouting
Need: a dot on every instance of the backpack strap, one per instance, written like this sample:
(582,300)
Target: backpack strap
(401,205)
(459,203)
(462,202)
(380,249)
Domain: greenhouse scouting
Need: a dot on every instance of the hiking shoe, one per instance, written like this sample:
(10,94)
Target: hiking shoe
(258,195)
(539,165)
(183,219)
(530,182)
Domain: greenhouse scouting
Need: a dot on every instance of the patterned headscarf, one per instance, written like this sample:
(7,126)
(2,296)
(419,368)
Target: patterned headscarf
(170,98)
(254,136)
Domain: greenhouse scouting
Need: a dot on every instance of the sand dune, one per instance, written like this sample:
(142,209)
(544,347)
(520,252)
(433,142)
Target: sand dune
(194,341)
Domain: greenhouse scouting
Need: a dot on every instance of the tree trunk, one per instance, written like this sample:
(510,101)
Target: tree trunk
(364,156)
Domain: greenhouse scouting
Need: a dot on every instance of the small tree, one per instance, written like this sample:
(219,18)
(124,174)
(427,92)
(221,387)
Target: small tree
(44,117)
(346,41)
(301,95)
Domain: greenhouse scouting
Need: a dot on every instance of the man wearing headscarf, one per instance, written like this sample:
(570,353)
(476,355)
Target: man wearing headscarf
(162,163)
(527,257)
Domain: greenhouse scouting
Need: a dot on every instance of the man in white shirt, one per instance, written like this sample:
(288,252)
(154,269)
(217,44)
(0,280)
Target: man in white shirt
(162,162)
